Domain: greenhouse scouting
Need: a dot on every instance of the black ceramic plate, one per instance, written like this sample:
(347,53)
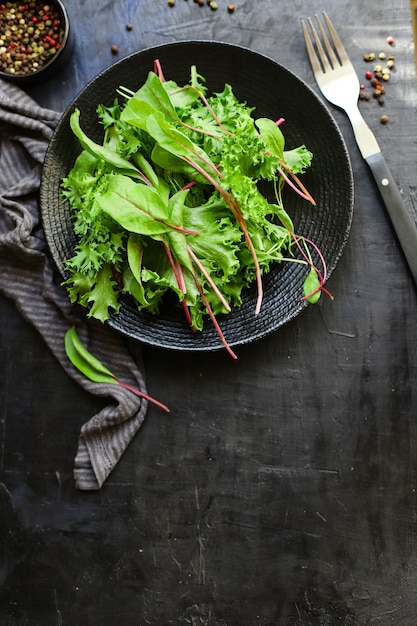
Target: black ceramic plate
(276,93)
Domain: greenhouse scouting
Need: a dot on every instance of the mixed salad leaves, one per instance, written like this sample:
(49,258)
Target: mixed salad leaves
(169,203)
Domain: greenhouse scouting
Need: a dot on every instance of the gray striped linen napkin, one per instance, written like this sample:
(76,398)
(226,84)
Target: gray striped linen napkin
(29,279)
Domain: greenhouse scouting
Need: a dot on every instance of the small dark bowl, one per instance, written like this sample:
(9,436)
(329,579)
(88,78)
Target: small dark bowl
(56,62)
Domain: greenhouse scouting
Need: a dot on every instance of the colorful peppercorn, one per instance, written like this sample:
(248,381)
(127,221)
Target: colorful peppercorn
(369,57)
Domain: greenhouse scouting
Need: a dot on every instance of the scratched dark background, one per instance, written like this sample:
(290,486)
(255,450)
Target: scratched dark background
(281,490)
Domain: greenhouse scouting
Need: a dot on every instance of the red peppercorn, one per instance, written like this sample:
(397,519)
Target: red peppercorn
(368,74)
(390,40)
(2,7)
(35,19)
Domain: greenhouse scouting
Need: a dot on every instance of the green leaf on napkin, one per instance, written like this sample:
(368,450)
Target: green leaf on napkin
(93,368)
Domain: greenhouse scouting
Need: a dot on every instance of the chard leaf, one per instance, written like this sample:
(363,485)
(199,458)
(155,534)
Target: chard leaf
(84,361)
(132,278)
(134,256)
(173,163)
(153,94)
(176,142)
(136,289)
(312,291)
(178,240)
(136,112)
(94,369)
(99,151)
(271,135)
(136,207)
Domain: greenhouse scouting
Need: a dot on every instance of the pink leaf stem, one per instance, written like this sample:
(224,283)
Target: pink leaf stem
(322,277)
(299,183)
(141,394)
(213,319)
(174,266)
(157,68)
(209,279)
(294,187)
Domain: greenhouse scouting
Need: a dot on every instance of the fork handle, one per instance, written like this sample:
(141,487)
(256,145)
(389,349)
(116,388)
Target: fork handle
(404,225)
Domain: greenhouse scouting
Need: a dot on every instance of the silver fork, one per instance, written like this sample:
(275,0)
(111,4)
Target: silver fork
(339,84)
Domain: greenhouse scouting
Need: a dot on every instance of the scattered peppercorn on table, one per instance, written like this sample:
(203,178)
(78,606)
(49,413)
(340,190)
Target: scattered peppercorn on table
(282,486)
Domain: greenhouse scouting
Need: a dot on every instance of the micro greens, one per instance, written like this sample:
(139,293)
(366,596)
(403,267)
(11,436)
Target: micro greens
(169,202)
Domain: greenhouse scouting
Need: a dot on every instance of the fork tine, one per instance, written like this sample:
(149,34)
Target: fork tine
(323,56)
(315,63)
(336,40)
(333,58)
(314,60)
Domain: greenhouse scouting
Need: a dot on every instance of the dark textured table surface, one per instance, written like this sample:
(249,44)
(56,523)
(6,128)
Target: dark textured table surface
(281,489)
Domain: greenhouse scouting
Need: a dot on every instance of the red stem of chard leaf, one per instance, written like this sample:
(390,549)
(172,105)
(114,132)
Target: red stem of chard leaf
(183,288)
(179,277)
(188,185)
(294,187)
(141,394)
(157,68)
(300,184)
(209,279)
(213,319)
(241,221)
(322,277)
